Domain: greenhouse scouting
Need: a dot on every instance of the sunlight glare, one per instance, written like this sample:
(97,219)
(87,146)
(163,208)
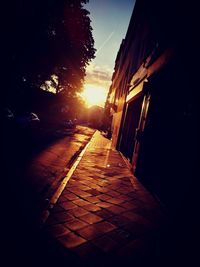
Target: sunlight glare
(94,95)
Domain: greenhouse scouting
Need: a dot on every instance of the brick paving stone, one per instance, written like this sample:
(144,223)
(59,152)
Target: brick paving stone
(93,192)
(118,220)
(132,194)
(129,206)
(57,230)
(114,187)
(79,192)
(89,252)
(72,180)
(115,200)
(126,183)
(98,188)
(105,227)
(75,224)
(92,199)
(111,187)
(104,204)
(103,190)
(68,205)
(77,212)
(136,218)
(136,203)
(100,175)
(103,183)
(93,186)
(84,187)
(70,196)
(81,202)
(104,197)
(90,184)
(100,168)
(85,182)
(91,218)
(74,190)
(107,209)
(62,199)
(71,240)
(116,209)
(85,178)
(111,174)
(91,207)
(84,194)
(124,190)
(105,243)
(89,232)
(71,185)
(124,197)
(104,213)
(63,217)
(128,178)
(113,193)
(113,180)
(76,181)
(96,230)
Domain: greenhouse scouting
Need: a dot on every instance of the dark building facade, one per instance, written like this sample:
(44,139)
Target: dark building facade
(152,97)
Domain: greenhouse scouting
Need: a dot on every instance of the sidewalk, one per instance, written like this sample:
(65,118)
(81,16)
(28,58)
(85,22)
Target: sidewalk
(104,216)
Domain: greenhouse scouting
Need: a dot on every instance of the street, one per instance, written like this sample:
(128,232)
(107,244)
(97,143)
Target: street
(45,171)
(30,177)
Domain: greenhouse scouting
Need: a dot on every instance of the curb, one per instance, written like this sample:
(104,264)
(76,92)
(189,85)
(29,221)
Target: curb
(62,186)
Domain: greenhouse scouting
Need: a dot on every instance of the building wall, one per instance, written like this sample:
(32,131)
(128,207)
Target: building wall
(148,46)
(116,122)
(154,64)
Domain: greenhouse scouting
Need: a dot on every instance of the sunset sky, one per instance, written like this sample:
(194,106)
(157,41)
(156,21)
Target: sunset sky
(109,20)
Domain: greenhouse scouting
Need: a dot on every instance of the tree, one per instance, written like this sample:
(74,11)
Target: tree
(47,39)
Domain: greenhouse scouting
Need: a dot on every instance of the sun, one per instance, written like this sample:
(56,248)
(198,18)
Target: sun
(94,95)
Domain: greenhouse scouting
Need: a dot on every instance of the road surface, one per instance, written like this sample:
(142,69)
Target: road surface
(32,178)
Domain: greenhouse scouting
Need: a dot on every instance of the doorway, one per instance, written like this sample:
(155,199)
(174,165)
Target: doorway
(127,137)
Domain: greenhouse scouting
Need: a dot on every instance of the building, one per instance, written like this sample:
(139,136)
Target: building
(152,97)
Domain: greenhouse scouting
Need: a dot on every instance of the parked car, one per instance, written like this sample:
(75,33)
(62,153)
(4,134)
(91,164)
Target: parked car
(28,120)
(69,124)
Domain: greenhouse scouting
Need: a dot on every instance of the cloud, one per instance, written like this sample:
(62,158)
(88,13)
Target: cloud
(98,75)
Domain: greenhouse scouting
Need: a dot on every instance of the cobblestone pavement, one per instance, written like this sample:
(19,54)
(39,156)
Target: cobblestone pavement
(105,216)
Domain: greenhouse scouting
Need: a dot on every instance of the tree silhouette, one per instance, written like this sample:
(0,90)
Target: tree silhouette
(43,40)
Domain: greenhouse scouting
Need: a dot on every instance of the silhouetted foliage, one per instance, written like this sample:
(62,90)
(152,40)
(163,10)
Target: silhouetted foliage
(45,38)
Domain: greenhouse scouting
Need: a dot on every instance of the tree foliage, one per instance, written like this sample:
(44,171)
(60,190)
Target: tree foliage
(45,39)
